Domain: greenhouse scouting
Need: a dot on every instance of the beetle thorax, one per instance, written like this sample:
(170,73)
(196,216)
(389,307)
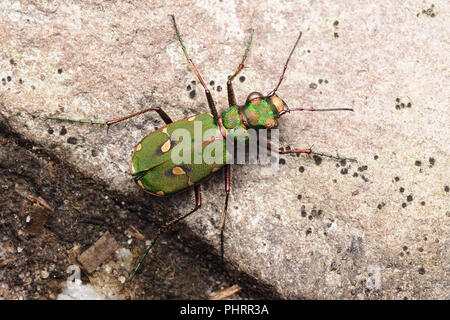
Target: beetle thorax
(258,112)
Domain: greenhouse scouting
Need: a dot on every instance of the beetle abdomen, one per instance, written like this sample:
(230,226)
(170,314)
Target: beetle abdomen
(155,164)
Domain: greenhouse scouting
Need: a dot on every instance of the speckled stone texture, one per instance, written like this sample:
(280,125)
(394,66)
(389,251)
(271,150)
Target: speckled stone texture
(375,229)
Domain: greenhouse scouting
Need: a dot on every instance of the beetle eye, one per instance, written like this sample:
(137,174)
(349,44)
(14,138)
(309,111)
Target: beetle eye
(254,97)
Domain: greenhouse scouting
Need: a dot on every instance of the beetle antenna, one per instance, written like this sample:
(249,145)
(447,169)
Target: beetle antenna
(312,109)
(285,66)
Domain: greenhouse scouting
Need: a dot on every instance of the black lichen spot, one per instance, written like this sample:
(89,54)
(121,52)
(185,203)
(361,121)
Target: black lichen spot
(50,131)
(336,23)
(422,203)
(418,163)
(446,188)
(402,105)
(355,174)
(320,81)
(20,81)
(344,171)
(303,210)
(313,85)
(404,205)
(60,70)
(3,81)
(12,62)
(409,198)
(420,249)
(241,78)
(188,88)
(301,169)
(401,189)
(336,35)
(94,153)
(299,197)
(362,168)
(192,94)
(409,105)
(397,106)
(72,140)
(309,231)
(379,206)
(326,81)
(63,131)
(397,179)
(193,82)
(219,88)
(317,160)
(364,178)
(343,162)
(375,157)
(432,161)
(281,161)
(421,270)
(8,78)
(397,100)
(319,212)
(211,83)
(405,248)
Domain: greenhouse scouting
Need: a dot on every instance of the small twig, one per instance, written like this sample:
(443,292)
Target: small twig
(6,262)
(225,293)
(41,201)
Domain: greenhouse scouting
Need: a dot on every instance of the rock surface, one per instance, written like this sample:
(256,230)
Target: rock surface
(317,228)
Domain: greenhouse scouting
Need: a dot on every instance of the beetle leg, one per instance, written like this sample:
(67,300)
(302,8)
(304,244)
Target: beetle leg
(160,111)
(231,96)
(225,209)
(309,151)
(211,104)
(198,203)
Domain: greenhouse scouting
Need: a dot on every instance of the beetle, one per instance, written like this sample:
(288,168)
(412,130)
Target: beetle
(153,166)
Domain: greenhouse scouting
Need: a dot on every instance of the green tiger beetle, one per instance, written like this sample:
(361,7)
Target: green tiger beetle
(152,166)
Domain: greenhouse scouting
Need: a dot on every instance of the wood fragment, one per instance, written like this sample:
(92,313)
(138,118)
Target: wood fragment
(41,201)
(135,233)
(225,293)
(6,262)
(98,253)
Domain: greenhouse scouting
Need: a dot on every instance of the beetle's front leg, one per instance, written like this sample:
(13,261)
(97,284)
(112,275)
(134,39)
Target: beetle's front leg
(308,151)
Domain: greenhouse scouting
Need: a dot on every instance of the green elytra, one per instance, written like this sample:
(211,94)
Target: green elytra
(155,151)
(152,166)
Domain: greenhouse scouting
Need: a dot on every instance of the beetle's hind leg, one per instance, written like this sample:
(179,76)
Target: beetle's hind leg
(159,110)
(198,203)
